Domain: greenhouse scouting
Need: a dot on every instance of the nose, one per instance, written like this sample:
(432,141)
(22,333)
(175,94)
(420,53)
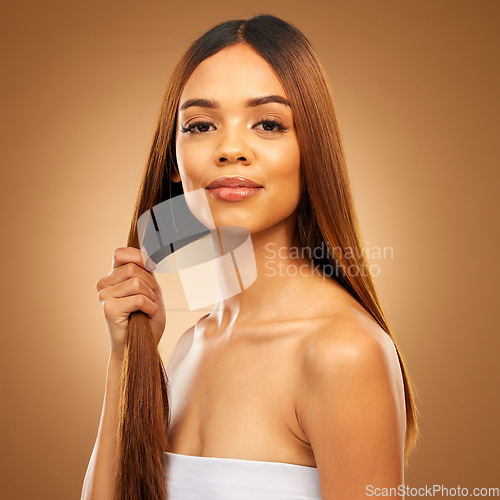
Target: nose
(232,149)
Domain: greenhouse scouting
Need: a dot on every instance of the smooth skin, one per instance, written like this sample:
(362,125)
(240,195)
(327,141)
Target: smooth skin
(234,139)
(293,369)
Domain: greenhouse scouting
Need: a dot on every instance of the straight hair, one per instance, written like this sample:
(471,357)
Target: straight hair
(326,217)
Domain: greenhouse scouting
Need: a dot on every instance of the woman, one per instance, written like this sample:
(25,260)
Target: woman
(293,388)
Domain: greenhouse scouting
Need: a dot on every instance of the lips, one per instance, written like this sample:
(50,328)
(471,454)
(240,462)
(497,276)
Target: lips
(233,182)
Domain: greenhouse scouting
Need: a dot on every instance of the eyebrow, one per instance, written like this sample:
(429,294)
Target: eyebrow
(250,103)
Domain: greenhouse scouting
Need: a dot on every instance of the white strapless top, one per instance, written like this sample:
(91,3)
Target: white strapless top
(210,478)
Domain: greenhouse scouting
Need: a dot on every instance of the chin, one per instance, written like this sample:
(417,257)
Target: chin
(249,223)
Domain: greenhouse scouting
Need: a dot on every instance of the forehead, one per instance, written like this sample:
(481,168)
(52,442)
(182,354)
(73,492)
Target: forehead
(235,73)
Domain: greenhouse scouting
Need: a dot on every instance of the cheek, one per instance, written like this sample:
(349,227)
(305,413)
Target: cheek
(286,170)
(284,182)
(190,160)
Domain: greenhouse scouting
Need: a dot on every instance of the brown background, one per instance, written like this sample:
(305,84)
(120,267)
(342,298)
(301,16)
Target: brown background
(415,88)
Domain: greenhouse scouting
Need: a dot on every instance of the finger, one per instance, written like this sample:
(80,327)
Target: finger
(129,287)
(121,308)
(124,255)
(127,262)
(127,272)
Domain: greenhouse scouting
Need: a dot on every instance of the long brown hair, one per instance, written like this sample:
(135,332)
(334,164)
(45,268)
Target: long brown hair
(326,218)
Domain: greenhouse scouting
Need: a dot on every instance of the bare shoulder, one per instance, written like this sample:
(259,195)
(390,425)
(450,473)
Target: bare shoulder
(182,347)
(348,343)
(345,339)
(349,349)
(180,350)
(350,404)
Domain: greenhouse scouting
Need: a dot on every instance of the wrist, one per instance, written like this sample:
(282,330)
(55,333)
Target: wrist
(115,357)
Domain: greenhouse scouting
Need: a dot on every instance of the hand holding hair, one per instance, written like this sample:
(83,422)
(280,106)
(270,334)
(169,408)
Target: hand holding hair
(129,287)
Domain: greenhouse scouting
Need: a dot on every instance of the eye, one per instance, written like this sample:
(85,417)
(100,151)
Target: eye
(272,126)
(198,127)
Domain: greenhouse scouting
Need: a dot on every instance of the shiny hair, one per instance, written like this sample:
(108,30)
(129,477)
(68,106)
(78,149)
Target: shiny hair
(326,216)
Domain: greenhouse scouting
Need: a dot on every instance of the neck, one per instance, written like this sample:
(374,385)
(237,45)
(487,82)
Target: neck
(279,284)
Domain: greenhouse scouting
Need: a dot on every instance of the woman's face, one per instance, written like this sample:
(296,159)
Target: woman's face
(220,132)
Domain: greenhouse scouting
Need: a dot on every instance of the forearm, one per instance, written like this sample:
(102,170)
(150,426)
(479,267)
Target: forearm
(99,482)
